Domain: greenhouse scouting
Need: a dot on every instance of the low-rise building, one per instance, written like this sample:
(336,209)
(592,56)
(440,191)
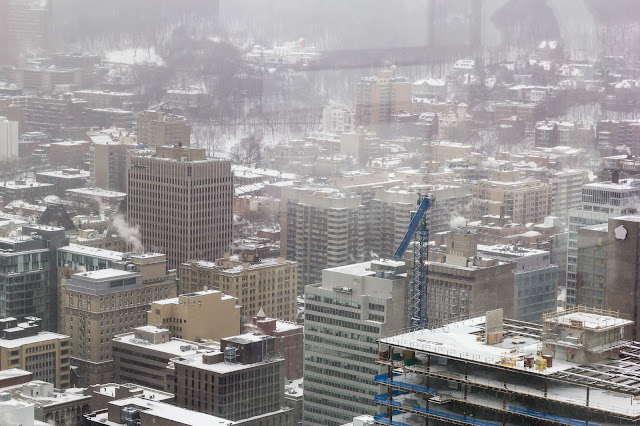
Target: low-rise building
(51,406)
(143,412)
(207,314)
(43,353)
(142,356)
(289,341)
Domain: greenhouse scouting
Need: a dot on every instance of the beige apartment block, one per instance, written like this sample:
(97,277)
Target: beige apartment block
(43,353)
(182,202)
(98,305)
(268,284)
(524,200)
(380,96)
(206,314)
(156,128)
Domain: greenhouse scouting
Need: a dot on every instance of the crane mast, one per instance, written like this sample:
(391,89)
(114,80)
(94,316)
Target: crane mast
(418,232)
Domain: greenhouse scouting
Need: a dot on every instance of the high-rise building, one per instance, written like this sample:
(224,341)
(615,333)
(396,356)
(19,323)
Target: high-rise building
(269,284)
(344,316)
(110,166)
(607,268)
(208,314)
(156,128)
(320,228)
(506,192)
(535,279)
(576,368)
(182,202)
(43,353)
(8,139)
(390,213)
(462,281)
(28,28)
(380,96)
(245,380)
(565,192)
(100,304)
(600,201)
(25,277)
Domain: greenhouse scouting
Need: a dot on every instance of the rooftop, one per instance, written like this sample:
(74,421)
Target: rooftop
(223,367)
(97,192)
(92,251)
(175,347)
(172,413)
(42,336)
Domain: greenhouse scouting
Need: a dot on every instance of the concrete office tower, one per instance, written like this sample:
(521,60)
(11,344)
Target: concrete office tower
(269,284)
(8,139)
(337,120)
(525,200)
(608,270)
(43,353)
(344,316)
(600,201)
(462,282)
(535,279)
(110,166)
(156,128)
(206,314)
(320,228)
(98,305)
(182,202)
(245,380)
(378,97)
(566,371)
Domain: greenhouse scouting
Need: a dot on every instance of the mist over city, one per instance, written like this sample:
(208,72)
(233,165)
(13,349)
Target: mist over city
(319,212)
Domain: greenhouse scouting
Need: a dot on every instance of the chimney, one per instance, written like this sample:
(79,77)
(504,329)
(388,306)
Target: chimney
(615,176)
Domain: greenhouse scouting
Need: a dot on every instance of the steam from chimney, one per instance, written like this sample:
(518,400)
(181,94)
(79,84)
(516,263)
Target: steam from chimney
(129,234)
(457,222)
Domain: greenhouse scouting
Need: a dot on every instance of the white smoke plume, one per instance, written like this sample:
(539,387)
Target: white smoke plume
(457,222)
(129,234)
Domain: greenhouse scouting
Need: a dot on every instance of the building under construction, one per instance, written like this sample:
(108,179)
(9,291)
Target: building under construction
(577,368)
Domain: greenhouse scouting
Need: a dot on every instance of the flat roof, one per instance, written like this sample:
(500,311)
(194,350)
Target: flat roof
(171,412)
(609,378)
(108,273)
(173,347)
(93,251)
(222,367)
(42,336)
(589,320)
(97,192)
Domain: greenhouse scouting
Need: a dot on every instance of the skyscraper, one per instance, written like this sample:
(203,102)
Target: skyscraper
(182,203)
(600,201)
(353,307)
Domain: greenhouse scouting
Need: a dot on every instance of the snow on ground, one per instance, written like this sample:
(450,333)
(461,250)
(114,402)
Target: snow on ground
(133,56)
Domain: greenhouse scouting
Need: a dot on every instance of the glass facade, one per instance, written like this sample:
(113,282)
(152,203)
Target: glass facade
(24,279)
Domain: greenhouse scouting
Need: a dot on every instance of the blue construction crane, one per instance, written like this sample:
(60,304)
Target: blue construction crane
(419,233)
